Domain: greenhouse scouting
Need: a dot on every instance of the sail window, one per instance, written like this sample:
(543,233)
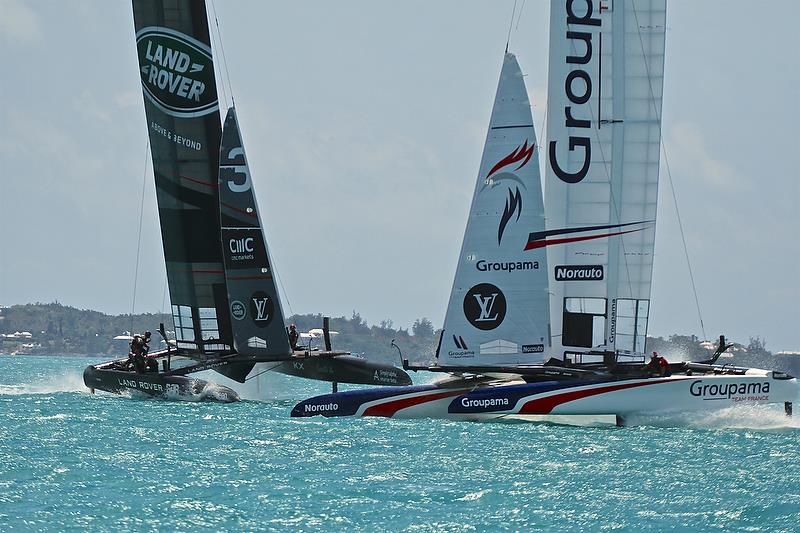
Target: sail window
(592,306)
(209,327)
(584,322)
(631,324)
(184,323)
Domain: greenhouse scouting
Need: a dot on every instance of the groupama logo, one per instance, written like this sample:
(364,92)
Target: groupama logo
(177,72)
(521,154)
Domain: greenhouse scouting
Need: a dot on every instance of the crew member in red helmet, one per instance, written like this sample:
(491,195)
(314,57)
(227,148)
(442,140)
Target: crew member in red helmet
(658,366)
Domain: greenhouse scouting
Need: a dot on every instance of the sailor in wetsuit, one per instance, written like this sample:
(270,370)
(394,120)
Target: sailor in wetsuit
(140,345)
(293,336)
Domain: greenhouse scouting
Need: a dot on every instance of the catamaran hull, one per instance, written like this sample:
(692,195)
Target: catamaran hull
(157,385)
(514,399)
(344,369)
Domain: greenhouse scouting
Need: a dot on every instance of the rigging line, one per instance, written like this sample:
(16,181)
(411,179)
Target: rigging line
(285,294)
(267,370)
(520,15)
(511,24)
(542,130)
(222,49)
(217,66)
(542,142)
(683,239)
(139,237)
(669,172)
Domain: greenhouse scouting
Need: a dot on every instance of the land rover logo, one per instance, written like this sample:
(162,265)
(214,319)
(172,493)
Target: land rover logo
(177,72)
(261,309)
(485,306)
(238,310)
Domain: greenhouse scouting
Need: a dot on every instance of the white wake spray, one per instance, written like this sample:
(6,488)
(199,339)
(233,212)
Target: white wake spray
(756,417)
(63,381)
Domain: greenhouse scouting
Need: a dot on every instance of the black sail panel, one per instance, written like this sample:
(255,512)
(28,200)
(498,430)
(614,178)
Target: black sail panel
(255,308)
(182,109)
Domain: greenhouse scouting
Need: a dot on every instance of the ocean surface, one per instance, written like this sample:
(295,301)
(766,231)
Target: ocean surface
(72,461)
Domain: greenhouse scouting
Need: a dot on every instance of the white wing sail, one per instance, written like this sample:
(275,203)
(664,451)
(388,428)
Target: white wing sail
(604,132)
(498,313)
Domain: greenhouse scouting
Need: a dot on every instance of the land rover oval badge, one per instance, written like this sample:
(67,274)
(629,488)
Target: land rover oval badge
(177,72)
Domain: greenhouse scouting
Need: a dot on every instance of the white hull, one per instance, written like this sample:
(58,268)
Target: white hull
(520,400)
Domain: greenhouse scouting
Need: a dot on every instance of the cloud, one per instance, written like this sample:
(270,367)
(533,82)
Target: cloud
(19,24)
(690,156)
(128,98)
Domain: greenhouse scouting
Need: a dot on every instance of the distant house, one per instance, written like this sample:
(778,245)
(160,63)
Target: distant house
(18,342)
(17,336)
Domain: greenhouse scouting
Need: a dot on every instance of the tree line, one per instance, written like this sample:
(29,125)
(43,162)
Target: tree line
(63,330)
(58,329)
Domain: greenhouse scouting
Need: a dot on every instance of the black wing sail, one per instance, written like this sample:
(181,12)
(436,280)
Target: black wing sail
(257,317)
(180,100)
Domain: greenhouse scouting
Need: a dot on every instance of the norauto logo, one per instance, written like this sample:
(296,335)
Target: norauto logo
(579,272)
(320,408)
(177,72)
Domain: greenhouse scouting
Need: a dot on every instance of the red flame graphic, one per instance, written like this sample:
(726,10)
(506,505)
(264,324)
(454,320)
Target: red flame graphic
(521,152)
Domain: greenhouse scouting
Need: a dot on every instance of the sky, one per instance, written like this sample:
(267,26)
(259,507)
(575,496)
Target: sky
(364,123)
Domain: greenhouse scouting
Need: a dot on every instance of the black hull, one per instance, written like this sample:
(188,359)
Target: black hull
(344,369)
(157,385)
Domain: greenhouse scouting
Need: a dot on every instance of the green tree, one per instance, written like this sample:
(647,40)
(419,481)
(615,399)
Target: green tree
(422,328)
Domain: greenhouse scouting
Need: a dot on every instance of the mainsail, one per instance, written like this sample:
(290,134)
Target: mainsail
(258,326)
(180,100)
(498,311)
(604,132)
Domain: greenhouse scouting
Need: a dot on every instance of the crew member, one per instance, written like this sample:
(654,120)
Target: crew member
(146,343)
(140,345)
(136,355)
(658,366)
(664,366)
(293,336)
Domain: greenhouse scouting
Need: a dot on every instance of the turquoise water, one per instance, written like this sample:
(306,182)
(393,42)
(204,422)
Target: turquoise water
(73,461)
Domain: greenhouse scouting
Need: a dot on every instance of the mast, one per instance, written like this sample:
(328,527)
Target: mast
(182,110)
(604,132)
(498,312)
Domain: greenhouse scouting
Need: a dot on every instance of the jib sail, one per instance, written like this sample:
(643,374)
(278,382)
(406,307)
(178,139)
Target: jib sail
(255,308)
(180,100)
(498,313)
(604,132)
